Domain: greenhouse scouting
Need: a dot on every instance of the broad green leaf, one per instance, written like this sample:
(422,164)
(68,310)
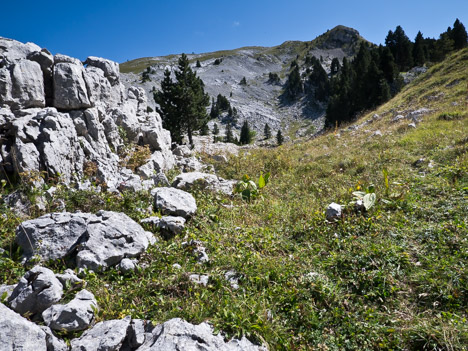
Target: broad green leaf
(369,200)
(261,182)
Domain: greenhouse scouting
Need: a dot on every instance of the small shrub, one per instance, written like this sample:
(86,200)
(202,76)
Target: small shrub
(248,189)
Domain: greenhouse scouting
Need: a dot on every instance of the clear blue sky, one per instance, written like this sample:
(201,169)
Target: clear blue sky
(121,30)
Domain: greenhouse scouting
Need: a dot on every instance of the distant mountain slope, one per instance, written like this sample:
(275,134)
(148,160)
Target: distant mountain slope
(259,101)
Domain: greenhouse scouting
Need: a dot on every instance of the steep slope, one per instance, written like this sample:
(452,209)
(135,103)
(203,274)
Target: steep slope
(259,100)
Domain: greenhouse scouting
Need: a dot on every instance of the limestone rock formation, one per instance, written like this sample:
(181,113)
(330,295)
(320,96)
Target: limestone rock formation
(187,181)
(61,118)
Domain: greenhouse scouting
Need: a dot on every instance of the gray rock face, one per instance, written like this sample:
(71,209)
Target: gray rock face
(70,92)
(333,211)
(92,104)
(75,315)
(17,333)
(177,334)
(105,336)
(22,85)
(99,241)
(174,202)
(187,181)
(36,291)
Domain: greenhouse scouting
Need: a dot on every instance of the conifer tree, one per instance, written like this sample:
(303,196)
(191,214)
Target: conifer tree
(419,57)
(294,84)
(245,134)
(214,112)
(279,137)
(267,131)
(335,66)
(401,48)
(205,130)
(243,81)
(182,103)
(459,35)
(198,65)
(229,137)
(215,129)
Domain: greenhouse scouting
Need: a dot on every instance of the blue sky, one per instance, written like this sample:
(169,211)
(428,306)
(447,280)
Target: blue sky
(123,30)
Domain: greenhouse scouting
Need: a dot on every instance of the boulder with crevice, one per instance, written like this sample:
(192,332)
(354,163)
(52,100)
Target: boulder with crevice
(77,314)
(36,291)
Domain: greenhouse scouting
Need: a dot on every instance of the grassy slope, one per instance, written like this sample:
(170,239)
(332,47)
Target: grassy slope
(393,278)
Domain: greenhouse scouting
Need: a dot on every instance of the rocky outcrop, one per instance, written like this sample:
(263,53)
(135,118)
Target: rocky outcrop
(92,241)
(168,225)
(61,118)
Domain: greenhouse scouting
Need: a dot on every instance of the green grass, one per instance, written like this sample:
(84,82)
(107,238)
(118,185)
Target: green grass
(395,278)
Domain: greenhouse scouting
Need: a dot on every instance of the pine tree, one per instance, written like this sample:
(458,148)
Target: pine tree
(198,65)
(243,81)
(419,57)
(459,35)
(215,129)
(319,79)
(294,84)
(267,131)
(335,66)
(205,130)
(182,103)
(214,112)
(279,137)
(401,48)
(229,137)
(245,134)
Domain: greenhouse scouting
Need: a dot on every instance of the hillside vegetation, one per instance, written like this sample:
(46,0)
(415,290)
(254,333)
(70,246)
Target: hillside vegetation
(392,278)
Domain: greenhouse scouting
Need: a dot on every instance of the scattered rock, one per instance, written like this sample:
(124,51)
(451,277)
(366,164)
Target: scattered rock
(70,280)
(377,133)
(412,125)
(75,315)
(160,180)
(108,335)
(36,291)
(333,211)
(198,250)
(233,278)
(182,151)
(168,225)
(176,266)
(187,181)
(201,279)
(398,118)
(127,265)
(176,202)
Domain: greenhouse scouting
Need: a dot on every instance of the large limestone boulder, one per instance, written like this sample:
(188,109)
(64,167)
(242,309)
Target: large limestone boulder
(174,202)
(95,241)
(36,291)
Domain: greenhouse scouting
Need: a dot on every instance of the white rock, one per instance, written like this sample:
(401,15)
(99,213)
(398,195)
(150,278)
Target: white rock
(333,211)
(174,202)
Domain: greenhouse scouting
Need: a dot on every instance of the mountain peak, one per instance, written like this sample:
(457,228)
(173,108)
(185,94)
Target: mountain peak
(339,37)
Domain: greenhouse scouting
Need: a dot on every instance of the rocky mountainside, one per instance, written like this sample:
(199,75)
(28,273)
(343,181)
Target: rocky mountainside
(260,100)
